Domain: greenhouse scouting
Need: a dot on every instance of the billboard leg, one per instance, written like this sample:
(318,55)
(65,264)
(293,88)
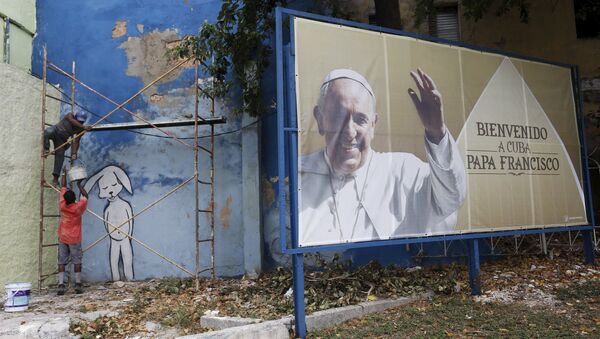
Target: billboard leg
(298,277)
(474,267)
(588,247)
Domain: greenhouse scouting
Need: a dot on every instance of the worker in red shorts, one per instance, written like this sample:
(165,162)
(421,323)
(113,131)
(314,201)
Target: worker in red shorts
(69,234)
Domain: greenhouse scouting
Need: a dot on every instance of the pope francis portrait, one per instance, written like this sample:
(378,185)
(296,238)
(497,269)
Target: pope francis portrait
(349,192)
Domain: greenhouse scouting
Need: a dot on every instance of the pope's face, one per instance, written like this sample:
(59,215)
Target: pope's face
(347,119)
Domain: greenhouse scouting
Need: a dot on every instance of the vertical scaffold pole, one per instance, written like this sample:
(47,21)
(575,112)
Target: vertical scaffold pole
(72,110)
(212,187)
(196,178)
(42,180)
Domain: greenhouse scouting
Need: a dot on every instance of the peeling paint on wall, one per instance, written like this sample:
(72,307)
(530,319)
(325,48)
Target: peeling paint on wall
(120,29)
(154,98)
(146,56)
(268,193)
(226,212)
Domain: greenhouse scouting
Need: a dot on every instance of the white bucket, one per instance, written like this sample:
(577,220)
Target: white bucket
(17,296)
(77,173)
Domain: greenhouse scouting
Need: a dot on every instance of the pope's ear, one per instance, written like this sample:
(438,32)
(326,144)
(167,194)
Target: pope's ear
(319,117)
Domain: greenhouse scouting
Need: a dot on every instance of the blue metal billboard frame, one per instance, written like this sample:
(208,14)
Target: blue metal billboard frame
(287,155)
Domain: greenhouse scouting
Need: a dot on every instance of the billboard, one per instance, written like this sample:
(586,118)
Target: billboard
(400,137)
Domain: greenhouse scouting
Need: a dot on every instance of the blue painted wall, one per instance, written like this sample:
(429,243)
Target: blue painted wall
(82,31)
(118,63)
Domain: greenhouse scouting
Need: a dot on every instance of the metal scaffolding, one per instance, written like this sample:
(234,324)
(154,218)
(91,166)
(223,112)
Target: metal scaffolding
(197,121)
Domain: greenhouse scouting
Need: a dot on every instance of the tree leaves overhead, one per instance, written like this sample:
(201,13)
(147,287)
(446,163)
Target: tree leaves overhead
(234,50)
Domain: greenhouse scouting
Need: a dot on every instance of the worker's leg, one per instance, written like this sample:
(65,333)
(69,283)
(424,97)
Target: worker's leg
(76,256)
(59,138)
(59,158)
(48,132)
(63,256)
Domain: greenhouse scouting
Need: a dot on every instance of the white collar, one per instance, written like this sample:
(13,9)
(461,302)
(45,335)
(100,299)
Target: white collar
(359,173)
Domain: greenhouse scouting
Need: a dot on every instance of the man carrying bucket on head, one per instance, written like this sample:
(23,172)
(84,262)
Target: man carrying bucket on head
(69,234)
(70,126)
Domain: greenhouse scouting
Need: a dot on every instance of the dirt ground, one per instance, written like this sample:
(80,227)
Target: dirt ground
(561,287)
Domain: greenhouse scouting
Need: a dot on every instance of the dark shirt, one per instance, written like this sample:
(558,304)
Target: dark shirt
(65,126)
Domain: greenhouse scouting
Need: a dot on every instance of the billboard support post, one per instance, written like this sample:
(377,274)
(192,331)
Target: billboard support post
(298,278)
(474,266)
(588,243)
(588,247)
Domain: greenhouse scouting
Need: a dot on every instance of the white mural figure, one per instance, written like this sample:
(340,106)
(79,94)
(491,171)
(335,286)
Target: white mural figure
(111,181)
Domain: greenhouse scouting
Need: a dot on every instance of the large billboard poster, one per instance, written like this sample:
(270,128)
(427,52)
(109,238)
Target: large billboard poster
(402,137)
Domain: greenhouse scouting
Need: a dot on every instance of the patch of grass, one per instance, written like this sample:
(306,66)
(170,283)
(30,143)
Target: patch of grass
(584,291)
(181,317)
(462,317)
(139,303)
(175,285)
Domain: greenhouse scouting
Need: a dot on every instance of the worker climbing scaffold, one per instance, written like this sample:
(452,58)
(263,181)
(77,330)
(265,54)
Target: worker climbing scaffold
(67,131)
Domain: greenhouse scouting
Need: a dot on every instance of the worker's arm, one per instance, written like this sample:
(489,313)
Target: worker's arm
(75,148)
(82,190)
(63,180)
(71,118)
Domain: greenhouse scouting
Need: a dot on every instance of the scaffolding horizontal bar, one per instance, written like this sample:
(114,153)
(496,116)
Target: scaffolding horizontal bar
(169,123)
(205,211)
(205,150)
(205,182)
(50,245)
(205,240)
(51,215)
(206,269)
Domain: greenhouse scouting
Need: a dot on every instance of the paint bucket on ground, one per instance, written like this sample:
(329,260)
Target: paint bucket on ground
(77,172)
(17,296)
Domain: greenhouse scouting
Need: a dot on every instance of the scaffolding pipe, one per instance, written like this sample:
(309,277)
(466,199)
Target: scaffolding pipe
(115,228)
(42,180)
(196,178)
(121,106)
(170,123)
(138,213)
(212,188)
(197,121)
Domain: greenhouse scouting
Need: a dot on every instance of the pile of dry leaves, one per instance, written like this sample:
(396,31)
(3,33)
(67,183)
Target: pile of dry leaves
(177,303)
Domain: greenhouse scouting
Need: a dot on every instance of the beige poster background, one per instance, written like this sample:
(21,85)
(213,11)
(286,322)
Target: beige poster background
(494,202)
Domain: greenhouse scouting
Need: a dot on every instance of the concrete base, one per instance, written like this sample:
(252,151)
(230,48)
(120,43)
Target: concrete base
(55,326)
(219,323)
(282,328)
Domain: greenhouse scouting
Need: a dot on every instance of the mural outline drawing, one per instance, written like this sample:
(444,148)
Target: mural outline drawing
(111,180)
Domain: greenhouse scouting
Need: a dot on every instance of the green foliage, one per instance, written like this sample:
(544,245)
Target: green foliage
(236,42)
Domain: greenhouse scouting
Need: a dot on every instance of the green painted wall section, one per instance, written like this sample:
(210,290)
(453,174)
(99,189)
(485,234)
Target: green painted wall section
(20,109)
(23,12)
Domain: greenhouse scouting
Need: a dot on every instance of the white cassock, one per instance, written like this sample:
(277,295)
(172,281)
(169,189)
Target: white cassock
(392,195)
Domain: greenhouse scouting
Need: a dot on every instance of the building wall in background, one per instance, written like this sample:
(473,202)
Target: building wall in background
(20,33)
(20,108)
(118,48)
